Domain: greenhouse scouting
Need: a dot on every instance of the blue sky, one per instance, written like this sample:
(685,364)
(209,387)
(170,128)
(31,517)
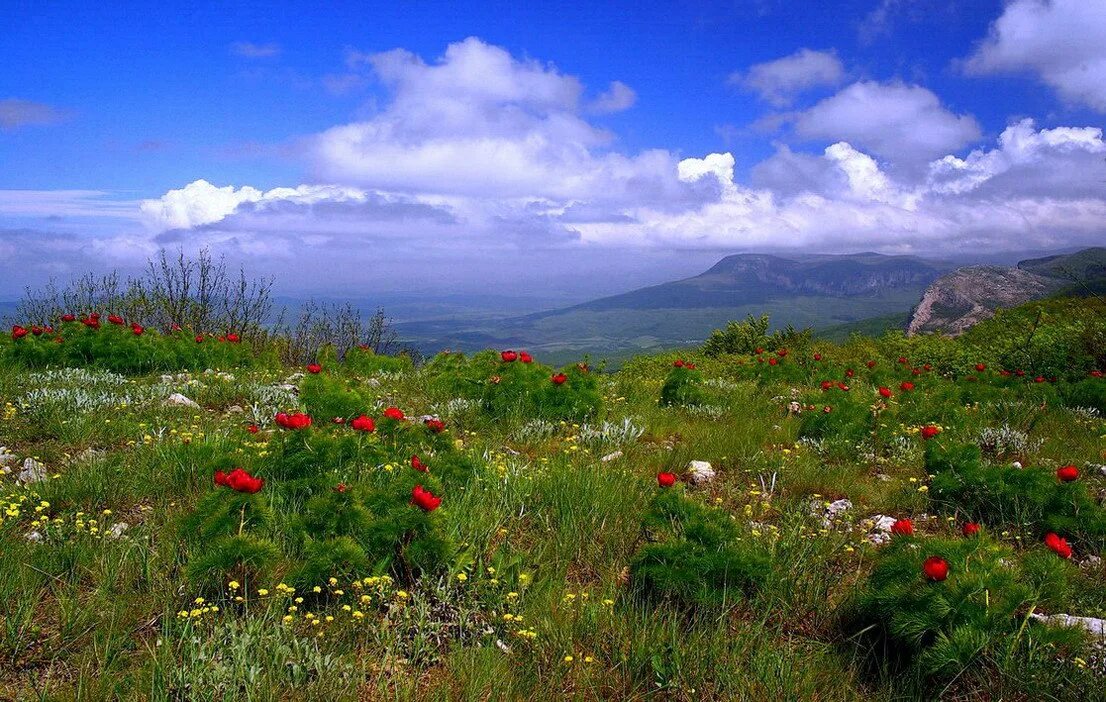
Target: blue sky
(827,123)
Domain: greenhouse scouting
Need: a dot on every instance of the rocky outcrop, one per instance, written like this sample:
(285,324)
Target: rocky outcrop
(967,296)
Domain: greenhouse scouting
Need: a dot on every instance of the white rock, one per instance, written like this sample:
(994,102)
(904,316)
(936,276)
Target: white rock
(7,458)
(235,409)
(1094,626)
(34,537)
(373,382)
(33,472)
(611,457)
(288,387)
(1017,464)
(117,529)
(881,529)
(834,509)
(700,472)
(179,400)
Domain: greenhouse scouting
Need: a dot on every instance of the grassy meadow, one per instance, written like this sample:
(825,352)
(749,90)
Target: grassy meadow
(882,518)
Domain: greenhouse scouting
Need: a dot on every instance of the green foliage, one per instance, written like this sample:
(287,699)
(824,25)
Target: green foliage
(696,559)
(682,387)
(940,628)
(326,396)
(362,361)
(738,337)
(1032,499)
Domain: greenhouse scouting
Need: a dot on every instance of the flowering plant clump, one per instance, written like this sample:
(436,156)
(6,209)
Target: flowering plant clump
(683,385)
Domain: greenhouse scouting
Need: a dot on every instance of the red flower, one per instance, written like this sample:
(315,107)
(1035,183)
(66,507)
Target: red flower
(339,420)
(1039,379)
(850,373)
(559,379)
(435,425)
(678,363)
(1058,545)
(1020,373)
(827,384)
(760,350)
(394,413)
(827,409)
(871,364)
(781,353)
(199,338)
(902,527)
(902,360)
(969,529)
(906,386)
(174,327)
(1067,474)
(239,481)
(525,357)
(885,392)
(980,367)
(137,329)
(936,568)
(1096,374)
(773,362)
(424,499)
(314,368)
(69,317)
(296,420)
(18,332)
(92,321)
(929,431)
(928,367)
(916,371)
(666,480)
(340,487)
(363,423)
(817,357)
(1005,373)
(233,338)
(843,386)
(417,464)
(36,330)
(253,429)
(508,356)
(584,367)
(689,366)
(115,319)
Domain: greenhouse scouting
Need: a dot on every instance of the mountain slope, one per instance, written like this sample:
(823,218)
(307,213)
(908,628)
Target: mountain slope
(971,294)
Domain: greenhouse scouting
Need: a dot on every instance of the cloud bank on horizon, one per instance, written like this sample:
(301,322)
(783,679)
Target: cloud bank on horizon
(482,155)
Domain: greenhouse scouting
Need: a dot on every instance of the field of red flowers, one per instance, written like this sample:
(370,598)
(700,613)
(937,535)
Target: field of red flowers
(772,517)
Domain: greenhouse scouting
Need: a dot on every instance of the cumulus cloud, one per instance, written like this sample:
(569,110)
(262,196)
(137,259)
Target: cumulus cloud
(15,113)
(616,98)
(247,49)
(897,121)
(1063,42)
(779,82)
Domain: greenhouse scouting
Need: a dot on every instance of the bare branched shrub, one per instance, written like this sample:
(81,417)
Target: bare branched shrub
(339,326)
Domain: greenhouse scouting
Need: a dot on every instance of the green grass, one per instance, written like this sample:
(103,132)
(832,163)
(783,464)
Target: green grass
(533,596)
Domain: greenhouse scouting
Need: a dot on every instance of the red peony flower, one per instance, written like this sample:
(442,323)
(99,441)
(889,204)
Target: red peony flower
(69,317)
(817,357)
(508,356)
(928,367)
(885,392)
(525,357)
(559,379)
(1039,379)
(137,329)
(678,363)
(906,386)
(233,338)
(827,409)
(174,327)
(424,499)
(902,527)
(296,420)
(871,364)
(394,413)
(969,529)
(220,478)
(418,465)
(936,568)
(1059,545)
(18,332)
(239,481)
(843,386)
(1096,374)
(929,431)
(1067,474)
(827,384)
(314,368)
(340,487)
(92,321)
(199,338)
(435,425)
(760,350)
(902,360)
(773,362)
(36,330)
(980,367)
(666,480)
(253,429)
(781,353)
(115,319)
(1020,373)
(363,423)
(850,373)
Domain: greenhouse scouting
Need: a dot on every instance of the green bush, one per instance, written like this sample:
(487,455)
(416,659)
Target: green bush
(682,387)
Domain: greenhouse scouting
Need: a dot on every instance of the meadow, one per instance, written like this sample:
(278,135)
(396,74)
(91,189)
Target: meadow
(188,514)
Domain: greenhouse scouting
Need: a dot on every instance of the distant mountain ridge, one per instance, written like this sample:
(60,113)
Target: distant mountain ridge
(969,295)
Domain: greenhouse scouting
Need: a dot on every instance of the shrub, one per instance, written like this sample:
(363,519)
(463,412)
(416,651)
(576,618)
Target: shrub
(682,387)
(696,559)
(941,627)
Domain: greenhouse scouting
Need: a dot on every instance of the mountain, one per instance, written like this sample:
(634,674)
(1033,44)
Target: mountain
(804,290)
(969,295)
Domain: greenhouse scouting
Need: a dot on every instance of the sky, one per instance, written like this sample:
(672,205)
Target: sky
(518,149)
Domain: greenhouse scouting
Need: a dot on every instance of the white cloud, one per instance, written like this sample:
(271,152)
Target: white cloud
(251,50)
(1062,41)
(779,82)
(616,98)
(899,122)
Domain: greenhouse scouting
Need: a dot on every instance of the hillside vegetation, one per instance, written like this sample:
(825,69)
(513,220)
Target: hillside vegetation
(194,514)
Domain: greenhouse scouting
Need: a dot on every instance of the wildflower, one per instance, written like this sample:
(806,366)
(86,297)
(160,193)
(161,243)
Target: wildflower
(666,480)
(394,413)
(67,317)
(115,319)
(461,577)
(970,529)
(906,386)
(363,423)
(980,367)
(559,379)
(314,368)
(418,465)
(885,392)
(253,429)
(817,357)
(137,329)
(1058,545)
(929,431)
(525,357)
(239,481)
(434,424)
(508,356)
(1067,474)
(424,499)
(902,527)
(936,568)
(296,420)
